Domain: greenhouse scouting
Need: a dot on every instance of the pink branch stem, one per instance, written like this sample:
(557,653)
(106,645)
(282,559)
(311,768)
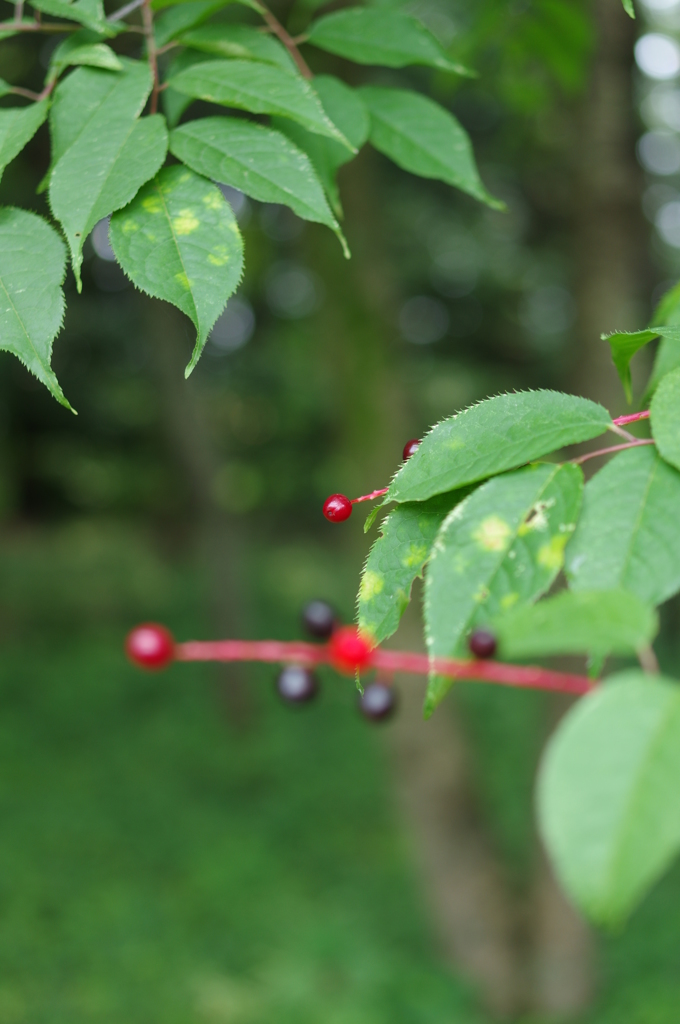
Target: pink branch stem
(373,494)
(633,417)
(497,672)
(608,451)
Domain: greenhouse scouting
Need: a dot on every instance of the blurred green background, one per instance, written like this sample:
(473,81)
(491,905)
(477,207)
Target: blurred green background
(182,848)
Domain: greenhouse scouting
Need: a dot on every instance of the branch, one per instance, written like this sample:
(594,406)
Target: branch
(391,661)
(147,21)
(123,12)
(38,26)
(607,451)
(277,29)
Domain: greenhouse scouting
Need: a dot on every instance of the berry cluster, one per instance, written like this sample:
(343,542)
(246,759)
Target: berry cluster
(349,652)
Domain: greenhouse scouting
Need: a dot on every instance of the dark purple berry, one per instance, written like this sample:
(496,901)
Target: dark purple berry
(410,448)
(296,684)
(319,619)
(377,702)
(337,508)
(482,643)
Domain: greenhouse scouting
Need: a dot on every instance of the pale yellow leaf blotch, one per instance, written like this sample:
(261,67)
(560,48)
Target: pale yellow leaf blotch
(371,585)
(551,555)
(185,223)
(183,281)
(509,600)
(493,534)
(152,204)
(417,553)
(213,200)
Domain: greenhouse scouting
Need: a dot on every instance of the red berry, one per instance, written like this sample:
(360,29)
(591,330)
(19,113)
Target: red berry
(296,684)
(349,649)
(150,646)
(337,508)
(482,643)
(377,702)
(319,619)
(410,448)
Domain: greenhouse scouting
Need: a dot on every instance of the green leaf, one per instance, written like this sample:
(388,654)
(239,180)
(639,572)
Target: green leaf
(183,17)
(111,158)
(175,103)
(378,36)
(667,357)
(257,87)
(424,138)
(5,87)
(18,125)
(242,42)
(89,13)
(628,7)
(624,345)
(627,535)
(500,548)
(260,162)
(178,240)
(32,267)
(160,5)
(595,622)
(609,793)
(397,557)
(348,112)
(664,417)
(493,436)
(81,48)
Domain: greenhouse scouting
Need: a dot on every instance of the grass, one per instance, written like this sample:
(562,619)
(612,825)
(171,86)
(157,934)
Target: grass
(158,868)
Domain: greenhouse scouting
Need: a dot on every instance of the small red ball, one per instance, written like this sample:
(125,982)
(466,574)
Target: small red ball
(410,448)
(337,508)
(482,643)
(150,646)
(349,649)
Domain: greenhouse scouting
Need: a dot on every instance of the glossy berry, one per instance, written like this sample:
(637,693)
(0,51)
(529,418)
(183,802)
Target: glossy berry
(337,508)
(410,448)
(150,646)
(482,643)
(319,619)
(377,702)
(296,684)
(349,649)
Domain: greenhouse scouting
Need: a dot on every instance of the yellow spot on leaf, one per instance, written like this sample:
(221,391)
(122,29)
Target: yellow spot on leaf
(417,554)
(551,555)
(493,534)
(152,204)
(183,281)
(481,594)
(130,226)
(219,256)
(213,200)
(509,600)
(371,585)
(185,223)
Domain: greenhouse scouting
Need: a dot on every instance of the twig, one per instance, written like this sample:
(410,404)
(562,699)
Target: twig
(38,26)
(18,10)
(123,12)
(648,660)
(622,433)
(147,20)
(34,96)
(632,417)
(391,661)
(607,451)
(277,28)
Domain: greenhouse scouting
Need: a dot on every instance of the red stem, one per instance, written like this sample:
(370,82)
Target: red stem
(621,421)
(373,494)
(607,451)
(390,661)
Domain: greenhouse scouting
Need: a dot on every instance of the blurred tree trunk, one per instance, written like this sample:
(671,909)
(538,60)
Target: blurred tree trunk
(217,534)
(609,239)
(610,258)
